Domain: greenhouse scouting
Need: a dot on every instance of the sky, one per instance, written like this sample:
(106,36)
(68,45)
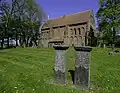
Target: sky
(57,8)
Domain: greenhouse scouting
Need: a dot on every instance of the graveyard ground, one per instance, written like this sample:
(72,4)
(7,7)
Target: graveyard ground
(30,70)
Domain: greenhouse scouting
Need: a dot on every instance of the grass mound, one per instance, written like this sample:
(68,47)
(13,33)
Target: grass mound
(30,70)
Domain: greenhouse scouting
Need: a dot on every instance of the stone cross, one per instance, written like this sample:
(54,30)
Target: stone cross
(82,67)
(60,63)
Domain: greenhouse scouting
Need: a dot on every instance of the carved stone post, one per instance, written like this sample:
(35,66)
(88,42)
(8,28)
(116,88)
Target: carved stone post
(60,63)
(82,67)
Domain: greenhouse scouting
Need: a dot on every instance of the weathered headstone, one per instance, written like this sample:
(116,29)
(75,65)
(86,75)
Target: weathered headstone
(60,63)
(82,67)
(113,46)
(104,46)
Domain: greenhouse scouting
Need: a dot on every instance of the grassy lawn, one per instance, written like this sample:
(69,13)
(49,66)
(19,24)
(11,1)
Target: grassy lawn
(30,70)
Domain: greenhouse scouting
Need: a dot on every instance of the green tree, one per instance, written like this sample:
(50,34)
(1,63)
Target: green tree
(32,16)
(109,18)
(20,19)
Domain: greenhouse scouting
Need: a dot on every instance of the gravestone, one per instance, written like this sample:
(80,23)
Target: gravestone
(60,63)
(82,67)
(113,46)
(104,46)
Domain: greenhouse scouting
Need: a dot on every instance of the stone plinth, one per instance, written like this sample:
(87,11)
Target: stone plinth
(82,67)
(60,63)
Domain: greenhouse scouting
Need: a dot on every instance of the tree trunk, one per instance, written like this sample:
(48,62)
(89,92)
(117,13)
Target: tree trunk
(114,32)
(24,42)
(8,45)
(16,40)
(27,41)
(35,43)
(2,43)
(113,44)
(21,40)
(30,44)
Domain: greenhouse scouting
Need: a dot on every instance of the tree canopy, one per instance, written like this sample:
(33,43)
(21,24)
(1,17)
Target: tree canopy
(20,20)
(108,17)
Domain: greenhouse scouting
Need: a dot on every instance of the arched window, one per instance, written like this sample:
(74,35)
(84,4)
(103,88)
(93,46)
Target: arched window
(75,31)
(83,29)
(75,40)
(71,31)
(52,33)
(71,41)
(64,32)
(79,31)
(67,40)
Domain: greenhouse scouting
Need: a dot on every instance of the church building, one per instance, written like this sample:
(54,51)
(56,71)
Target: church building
(74,29)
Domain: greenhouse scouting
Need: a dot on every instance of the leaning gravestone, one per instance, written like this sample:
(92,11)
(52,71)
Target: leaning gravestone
(60,63)
(82,67)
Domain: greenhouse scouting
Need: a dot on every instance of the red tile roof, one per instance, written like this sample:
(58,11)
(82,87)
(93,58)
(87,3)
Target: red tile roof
(69,19)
